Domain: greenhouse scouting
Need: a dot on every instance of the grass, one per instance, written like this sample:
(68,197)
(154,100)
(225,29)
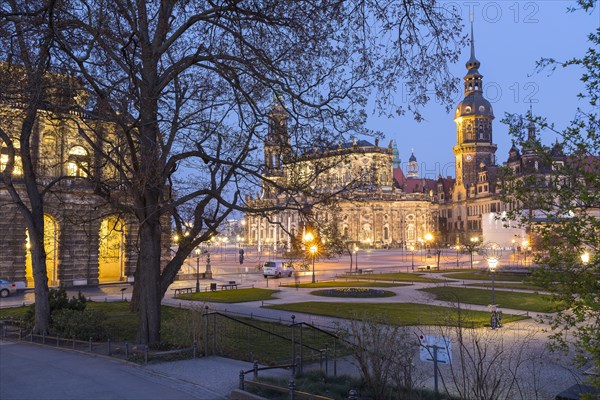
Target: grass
(334,284)
(240,338)
(513,300)
(486,276)
(396,277)
(353,293)
(231,296)
(405,314)
(507,285)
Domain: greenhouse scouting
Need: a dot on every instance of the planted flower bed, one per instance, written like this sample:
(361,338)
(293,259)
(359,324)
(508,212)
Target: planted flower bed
(353,292)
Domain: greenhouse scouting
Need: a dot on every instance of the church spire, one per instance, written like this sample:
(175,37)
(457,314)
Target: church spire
(473,79)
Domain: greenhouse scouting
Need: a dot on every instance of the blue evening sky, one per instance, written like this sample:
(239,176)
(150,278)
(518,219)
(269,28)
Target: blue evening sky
(510,36)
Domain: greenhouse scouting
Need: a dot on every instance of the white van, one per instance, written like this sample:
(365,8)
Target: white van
(277,269)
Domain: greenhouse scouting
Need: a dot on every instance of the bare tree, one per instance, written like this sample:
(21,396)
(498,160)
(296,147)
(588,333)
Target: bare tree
(188,86)
(26,41)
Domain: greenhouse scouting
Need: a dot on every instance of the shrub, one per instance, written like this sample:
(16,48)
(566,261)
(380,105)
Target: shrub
(82,325)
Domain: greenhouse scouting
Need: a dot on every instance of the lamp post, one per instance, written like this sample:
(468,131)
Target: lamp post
(313,251)
(585,258)
(457,255)
(474,242)
(197,251)
(492,264)
(356,258)
(412,257)
(525,247)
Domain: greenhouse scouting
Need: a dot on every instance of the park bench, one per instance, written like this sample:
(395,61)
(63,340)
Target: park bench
(368,271)
(427,267)
(178,291)
(230,285)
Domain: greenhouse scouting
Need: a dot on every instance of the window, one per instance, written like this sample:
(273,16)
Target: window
(78,164)
(18,167)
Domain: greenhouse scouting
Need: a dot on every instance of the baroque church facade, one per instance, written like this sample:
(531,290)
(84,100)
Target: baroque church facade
(394,209)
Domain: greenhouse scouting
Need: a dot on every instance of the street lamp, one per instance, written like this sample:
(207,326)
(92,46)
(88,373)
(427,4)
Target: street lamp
(474,242)
(356,257)
(313,251)
(585,258)
(412,257)
(492,264)
(457,247)
(198,252)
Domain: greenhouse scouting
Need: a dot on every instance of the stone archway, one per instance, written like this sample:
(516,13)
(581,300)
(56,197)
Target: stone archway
(51,247)
(111,250)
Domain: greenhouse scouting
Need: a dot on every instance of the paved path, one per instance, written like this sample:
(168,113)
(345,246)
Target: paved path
(30,371)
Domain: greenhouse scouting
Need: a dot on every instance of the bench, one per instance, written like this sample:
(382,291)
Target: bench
(427,267)
(179,291)
(368,271)
(230,285)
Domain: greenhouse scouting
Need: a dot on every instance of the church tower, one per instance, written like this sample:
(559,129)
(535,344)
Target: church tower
(473,119)
(413,167)
(277,146)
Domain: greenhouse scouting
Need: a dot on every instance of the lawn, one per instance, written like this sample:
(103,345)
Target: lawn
(486,276)
(406,314)
(239,338)
(231,296)
(334,284)
(395,277)
(353,293)
(513,300)
(507,285)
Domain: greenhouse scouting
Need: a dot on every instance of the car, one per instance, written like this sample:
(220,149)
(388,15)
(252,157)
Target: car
(277,269)
(7,288)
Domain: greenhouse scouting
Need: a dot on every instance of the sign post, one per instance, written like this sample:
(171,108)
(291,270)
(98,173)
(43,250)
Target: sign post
(437,350)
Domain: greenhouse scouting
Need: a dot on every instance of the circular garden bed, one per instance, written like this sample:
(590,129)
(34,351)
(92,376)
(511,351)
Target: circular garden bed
(353,293)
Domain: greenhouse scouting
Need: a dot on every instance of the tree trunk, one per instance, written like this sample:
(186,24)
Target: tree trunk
(40,281)
(148,284)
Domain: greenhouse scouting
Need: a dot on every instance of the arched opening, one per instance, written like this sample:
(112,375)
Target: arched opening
(51,248)
(111,251)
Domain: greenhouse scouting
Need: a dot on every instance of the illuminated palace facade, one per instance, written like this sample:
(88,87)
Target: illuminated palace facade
(388,208)
(86,241)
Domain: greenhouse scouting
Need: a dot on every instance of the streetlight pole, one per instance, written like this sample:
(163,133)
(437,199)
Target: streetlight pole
(412,258)
(197,251)
(356,258)
(313,251)
(492,263)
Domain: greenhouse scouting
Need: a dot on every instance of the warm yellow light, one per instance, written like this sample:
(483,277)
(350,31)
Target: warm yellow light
(474,239)
(186,234)
(457,247)
(585,257)
(175,238)
(355,248)
(313,249)
(428,237)
(243,222)
(525,243)
(309,237)
(197,251)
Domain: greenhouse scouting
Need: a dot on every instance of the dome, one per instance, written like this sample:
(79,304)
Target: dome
(474,104)
(412,158)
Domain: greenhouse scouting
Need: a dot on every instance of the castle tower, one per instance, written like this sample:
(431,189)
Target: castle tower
(277,143)
(413,167)
(473,119)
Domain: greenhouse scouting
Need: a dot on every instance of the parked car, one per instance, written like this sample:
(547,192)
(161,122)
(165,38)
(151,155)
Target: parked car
(7,288)
(277,269)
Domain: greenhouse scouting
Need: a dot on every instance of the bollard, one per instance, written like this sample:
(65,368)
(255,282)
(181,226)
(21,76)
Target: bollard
(109,346)
(255,369)
(195,349)
(292,386)
(126,350)
(352,395)
(91,348)
(242,380)
(145,354)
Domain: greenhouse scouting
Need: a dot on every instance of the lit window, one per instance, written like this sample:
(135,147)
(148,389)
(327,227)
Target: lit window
(78,164)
